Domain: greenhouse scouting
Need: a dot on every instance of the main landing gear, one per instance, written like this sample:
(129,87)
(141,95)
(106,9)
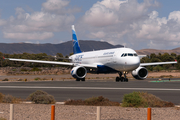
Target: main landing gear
(122,79)
(80,79)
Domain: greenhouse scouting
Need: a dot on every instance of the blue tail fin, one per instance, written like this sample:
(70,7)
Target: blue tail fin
(76,48)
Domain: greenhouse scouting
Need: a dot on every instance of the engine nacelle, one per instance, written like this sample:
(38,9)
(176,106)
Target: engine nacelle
(140,73)
(79,72)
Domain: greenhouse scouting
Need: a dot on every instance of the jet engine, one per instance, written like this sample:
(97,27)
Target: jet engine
(79,72)
(140,73)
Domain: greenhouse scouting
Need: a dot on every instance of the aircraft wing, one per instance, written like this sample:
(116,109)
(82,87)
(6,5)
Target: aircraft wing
(53,62)
(157,63)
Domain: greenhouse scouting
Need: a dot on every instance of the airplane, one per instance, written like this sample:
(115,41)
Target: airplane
(116,60)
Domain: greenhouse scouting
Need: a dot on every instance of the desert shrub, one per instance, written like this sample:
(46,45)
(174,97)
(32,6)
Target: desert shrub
(10,99)
(94,101)
(153,101)
(74,102)
(5,79)
(1,97)
(2,118)
(144,99)
(41,97)
(132,100)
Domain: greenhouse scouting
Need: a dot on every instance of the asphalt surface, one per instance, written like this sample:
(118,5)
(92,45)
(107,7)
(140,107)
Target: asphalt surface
(64,90)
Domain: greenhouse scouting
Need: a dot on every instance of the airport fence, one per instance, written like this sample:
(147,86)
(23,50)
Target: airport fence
(53,112)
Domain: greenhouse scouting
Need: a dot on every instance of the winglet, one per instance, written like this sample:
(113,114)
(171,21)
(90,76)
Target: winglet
(76,48)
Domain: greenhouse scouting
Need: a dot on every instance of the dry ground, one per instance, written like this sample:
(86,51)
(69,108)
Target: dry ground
(88,77)
(62,112)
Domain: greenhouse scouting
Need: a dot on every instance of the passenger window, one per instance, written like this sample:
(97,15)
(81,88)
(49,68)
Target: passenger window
(129,54)
(125,54)
(122,55)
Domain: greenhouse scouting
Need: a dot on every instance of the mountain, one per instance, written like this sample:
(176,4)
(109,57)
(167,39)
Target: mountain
(149,51)
(51,49)
(66,48)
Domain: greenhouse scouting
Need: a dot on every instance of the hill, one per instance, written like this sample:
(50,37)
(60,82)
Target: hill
(51,49)
(149,51)
(66,48)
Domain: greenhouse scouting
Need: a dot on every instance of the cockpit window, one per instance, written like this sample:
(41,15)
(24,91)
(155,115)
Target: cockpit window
(135,54)
(130,54)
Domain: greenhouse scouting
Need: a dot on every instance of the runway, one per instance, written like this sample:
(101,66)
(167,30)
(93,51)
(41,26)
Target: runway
(64,90)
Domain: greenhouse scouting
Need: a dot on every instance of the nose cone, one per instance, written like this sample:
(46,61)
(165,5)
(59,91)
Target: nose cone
(133,63)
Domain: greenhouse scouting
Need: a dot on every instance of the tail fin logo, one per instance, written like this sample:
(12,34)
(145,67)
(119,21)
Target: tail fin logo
(76,48)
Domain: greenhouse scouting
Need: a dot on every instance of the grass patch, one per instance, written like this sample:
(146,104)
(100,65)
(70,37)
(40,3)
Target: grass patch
(166,76)
(41,97)
(93,101)
(5,79)
(144,99)
(24,69)
(37,78)
(35,69)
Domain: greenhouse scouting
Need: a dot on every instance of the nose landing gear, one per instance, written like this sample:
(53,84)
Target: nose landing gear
(122,79)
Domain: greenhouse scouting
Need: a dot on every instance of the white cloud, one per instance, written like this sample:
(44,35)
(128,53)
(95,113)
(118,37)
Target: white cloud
(59,6)
(53,5)
(28,36)
(2,22)
(99,34)
(132,23)
(102,13)
(38,25)
(174,16)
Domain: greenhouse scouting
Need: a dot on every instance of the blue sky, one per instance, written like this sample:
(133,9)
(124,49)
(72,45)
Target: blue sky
(138,24)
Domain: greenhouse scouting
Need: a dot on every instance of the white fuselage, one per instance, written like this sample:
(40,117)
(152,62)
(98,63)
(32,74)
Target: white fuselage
(120,59)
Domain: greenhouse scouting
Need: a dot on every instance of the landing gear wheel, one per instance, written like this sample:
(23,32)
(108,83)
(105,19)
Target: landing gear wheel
(117,79)
(77,79)
(83,79)
(122,79)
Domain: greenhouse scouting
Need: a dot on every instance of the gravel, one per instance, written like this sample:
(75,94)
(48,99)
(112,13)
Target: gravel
(69,112)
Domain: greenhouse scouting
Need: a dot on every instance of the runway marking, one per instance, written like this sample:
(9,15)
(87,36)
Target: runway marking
(88,88)
(165,81)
